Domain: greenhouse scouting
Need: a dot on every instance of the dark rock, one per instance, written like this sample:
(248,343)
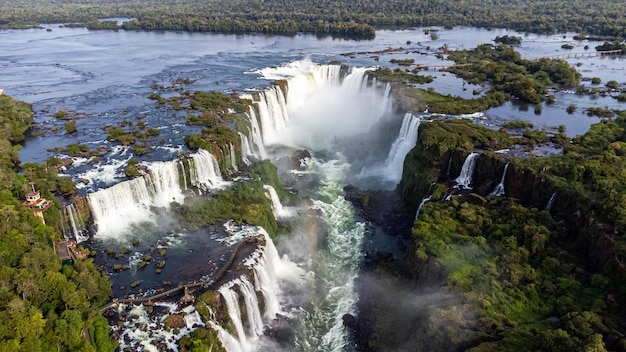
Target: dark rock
(298,157)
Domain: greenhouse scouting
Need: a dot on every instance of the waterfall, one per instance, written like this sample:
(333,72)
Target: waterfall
(76,221)
(245,149)
(257,138)
(277,207)
(233,159)
(324,86)
(322,104)
(205,171)
(386,105)
(273,115)
(133,199)
(464,181)
(163,182)
(407,137)
(249,323)
(181,166)
(193,319)
(551,201)
(419,207)
(450,166)
(499,190)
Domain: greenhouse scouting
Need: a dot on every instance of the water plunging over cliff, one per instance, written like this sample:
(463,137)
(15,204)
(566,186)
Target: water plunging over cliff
(551,201)
(402,146)
(133,199)
(279,211)
(499,190)
(77,223)
(324,104)
(267,268)
(464,181)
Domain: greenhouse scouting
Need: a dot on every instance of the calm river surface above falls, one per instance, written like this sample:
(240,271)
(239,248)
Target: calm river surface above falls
(105,77)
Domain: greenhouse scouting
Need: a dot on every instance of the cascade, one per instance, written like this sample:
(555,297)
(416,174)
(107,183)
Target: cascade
(309,84)
(233,159)
(449,167)
(499,190)
(76,221)
(205,171)
(386,105)
(125,200)
(245,149)
(425,199)
(164,183)
(464,180)
(232,304)
(419,207)
(257,138)
(277,207)
(402,146)
(551,201)
(193,319)
(181,167)
(132,199)
(272,113)
(249,323)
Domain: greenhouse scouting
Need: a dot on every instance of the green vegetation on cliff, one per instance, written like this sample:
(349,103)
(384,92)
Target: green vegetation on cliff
(499,273)
(504,261)
(437,142)
(244,202)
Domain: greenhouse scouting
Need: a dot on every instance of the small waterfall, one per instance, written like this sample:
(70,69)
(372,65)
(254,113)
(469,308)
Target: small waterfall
(402,146)
(233,159)
(450,166)
(257,137)
(386,106)
(181,167)
(464,181)
(232,304)
(164,183)
(245,149)
(273,114)
(419,207)
(193,319)
(277,206)
(499,190)
(79,231)
(425,199)
(551,201)
(205,172)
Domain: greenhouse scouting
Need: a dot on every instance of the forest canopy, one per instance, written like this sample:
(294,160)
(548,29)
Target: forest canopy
(351,18)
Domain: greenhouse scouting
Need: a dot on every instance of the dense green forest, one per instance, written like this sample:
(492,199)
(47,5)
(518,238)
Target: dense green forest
(489,273)
(44,305)
(349,18)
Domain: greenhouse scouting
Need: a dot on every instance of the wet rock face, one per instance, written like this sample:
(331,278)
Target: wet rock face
(298,157)
(383,208)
